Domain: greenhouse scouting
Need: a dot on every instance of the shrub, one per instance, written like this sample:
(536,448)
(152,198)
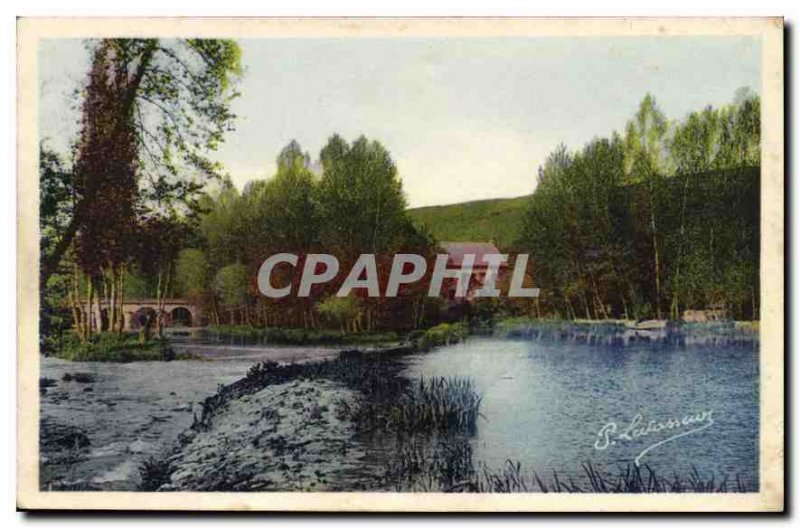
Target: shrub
(296,336)
(339,311)
(115,347)
(443,334)
(154,473)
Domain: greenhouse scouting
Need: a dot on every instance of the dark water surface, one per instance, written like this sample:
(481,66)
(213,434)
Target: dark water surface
(545,403)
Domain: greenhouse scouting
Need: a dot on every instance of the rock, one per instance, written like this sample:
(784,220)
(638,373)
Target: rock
(128,471)
(80,377)
(140,446)
(46,382)
(83,377)
(55,436)
(277,439)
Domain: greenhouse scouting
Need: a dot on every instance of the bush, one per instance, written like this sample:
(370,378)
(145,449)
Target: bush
(443,334)
(154,473)
(297,336)
(338,311)
(114,347)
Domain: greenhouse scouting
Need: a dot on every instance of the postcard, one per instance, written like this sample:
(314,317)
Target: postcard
(440,264)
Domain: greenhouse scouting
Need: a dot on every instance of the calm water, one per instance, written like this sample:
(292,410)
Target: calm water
(545,403)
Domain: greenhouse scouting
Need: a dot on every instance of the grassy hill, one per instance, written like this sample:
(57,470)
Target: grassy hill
(495,220)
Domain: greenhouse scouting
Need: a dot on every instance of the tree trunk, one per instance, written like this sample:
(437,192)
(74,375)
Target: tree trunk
(98,305)
(90,322)
(121,298)
(656,260)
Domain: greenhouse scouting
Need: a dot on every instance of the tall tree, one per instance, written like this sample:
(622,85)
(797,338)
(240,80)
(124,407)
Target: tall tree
(152,110)
(644,142)
(361,196)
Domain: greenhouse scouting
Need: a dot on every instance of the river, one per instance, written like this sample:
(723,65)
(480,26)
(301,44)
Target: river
(546,405)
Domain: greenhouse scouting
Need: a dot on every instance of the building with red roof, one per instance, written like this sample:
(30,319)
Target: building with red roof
(456,251)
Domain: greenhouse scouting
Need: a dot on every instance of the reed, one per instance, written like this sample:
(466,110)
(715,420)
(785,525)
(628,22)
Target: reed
(437,404)
(626,479)
(421,468)
(154,472)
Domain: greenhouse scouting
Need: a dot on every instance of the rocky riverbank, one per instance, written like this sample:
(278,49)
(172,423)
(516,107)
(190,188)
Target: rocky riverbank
(294,436)
(111,426)
(100,421)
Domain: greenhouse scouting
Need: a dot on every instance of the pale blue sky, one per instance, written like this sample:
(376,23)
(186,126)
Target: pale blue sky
(464,119)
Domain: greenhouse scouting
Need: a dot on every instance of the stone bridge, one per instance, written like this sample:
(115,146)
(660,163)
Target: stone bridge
(176,312)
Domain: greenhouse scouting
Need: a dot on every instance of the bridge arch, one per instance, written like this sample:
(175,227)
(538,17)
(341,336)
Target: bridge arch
(175,312)
(181,316)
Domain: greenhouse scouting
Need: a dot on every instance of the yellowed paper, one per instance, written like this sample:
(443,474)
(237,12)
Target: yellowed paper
(467,35)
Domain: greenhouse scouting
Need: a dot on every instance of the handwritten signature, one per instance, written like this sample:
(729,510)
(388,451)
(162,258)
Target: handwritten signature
(610,434)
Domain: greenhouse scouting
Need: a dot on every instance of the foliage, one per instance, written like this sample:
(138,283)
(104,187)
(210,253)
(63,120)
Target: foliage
(361,197)
(355,205)
(437,404)
(295,336)
(629,478)
(151,111)
(339,310)
(154,473)
(230,284)
(115,347)
(443,334)
(663,219)
(55,198)
(191,271)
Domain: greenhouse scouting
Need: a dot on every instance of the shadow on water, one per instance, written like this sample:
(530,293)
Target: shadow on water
(547,392)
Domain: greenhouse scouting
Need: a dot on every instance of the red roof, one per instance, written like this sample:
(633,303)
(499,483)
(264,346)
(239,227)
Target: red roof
(457,250)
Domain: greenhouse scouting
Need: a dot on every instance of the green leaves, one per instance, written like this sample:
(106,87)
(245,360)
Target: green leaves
(230,283)
(361,197)
(182,111)
(670,202)
(191,272)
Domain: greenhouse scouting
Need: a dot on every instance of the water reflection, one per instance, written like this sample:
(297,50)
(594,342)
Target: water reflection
(544,403)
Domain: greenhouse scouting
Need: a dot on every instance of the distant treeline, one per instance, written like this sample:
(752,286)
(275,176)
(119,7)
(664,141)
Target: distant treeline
(647,223)
(350,203)
(653,222)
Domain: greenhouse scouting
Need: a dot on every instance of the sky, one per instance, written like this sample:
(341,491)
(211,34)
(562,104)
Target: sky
(463,118)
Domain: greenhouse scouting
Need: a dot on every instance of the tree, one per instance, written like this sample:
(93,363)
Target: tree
(152,110)
(282,213)
(644,148)
(231,285)
(361,197)
(55,210)
(55,198)
(672,207)
(341,311)
(158,241)
(191,272)
(220,226)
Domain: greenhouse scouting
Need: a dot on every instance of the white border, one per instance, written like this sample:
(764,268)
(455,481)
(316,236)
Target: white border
(774,213)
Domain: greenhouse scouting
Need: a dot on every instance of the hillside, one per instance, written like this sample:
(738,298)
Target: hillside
(496,220)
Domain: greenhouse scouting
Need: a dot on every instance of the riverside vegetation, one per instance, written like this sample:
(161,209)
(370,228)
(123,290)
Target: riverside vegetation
(115,347)
(426,423)
(645,223)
